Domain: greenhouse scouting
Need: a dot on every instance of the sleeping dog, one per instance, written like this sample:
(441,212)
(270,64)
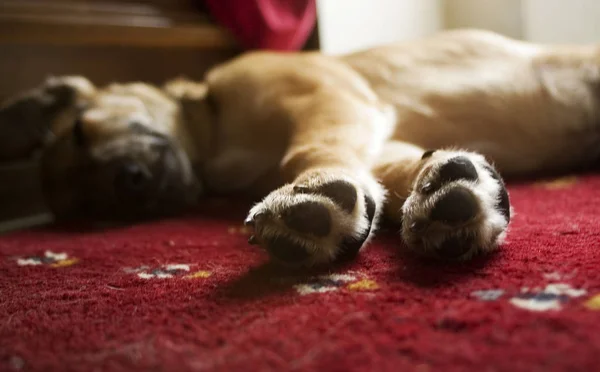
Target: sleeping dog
(416,133)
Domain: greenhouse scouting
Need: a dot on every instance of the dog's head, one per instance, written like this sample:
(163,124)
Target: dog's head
(112,153)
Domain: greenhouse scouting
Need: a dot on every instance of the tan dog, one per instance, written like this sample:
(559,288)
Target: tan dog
(335,142)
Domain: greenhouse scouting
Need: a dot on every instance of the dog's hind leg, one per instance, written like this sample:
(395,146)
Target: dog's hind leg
(449,204)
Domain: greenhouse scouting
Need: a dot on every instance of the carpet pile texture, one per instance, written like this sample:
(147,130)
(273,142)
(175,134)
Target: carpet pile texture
(189,294)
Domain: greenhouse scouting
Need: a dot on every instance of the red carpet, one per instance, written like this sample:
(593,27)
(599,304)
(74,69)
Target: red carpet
(191,295)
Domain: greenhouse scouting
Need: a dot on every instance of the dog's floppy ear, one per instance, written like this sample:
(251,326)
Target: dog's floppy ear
(198,109)
(26,120)
(185,89)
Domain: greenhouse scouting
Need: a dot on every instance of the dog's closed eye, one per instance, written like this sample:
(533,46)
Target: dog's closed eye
(212,103)
(78,134)
(138,127)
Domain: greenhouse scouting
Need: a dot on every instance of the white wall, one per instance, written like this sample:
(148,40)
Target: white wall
(562,21)
(349,25)
(502,16)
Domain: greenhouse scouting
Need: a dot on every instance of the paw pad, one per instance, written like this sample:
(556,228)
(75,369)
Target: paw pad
(310,217)
(457,206)
(453,247)
(341,192)
(286,250)
(457,168)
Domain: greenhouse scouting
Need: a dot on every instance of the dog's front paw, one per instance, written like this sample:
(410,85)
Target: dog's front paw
(458,207)
(321,218)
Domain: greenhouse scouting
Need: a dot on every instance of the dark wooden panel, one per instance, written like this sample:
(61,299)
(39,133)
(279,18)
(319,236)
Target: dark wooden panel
(23,67)
(108,24)
(31,31)
(21,199)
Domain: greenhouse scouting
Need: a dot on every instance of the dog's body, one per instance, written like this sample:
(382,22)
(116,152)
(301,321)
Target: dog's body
(335,141)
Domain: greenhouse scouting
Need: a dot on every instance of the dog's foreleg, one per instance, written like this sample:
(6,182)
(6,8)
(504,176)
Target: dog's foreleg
(449,204)
(330,207)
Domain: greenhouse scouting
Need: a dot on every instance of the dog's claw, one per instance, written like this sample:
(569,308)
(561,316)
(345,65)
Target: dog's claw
(251,220)
(301,189)
(428,187)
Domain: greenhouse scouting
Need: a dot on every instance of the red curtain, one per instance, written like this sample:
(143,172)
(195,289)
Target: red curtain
(266,24)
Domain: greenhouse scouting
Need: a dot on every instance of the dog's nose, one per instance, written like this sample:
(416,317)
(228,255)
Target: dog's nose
(132,177)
